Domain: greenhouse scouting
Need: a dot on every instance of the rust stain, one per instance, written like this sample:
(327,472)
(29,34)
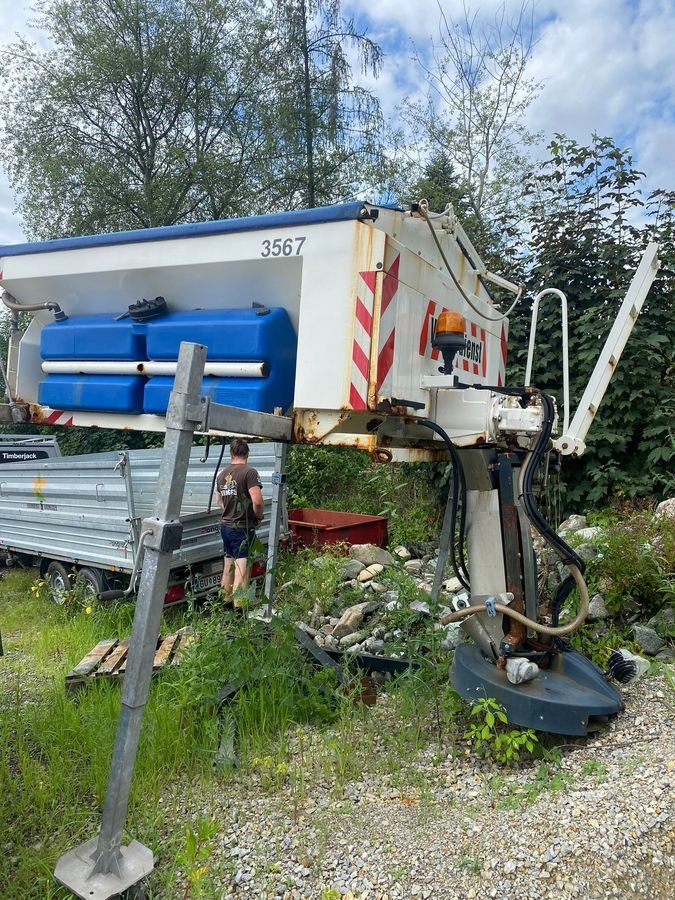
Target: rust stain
(36,413)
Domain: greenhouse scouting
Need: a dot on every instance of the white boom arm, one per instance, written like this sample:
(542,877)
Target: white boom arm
(572,441)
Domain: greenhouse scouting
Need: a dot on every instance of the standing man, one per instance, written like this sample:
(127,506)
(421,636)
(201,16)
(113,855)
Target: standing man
(239,495)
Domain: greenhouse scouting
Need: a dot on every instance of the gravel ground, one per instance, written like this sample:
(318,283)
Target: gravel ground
(601,825)
(447,825)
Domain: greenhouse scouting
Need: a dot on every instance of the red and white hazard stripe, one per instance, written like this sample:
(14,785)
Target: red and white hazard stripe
(433,311)
(57,417)
(385,356)
(363,332)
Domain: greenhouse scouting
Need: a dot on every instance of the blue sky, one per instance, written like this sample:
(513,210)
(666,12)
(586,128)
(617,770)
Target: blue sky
(604,65)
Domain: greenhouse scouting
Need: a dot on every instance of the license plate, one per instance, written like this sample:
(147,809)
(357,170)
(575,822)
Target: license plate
(204,582)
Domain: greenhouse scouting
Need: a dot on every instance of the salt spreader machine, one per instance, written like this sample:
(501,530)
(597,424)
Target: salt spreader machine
(354,325)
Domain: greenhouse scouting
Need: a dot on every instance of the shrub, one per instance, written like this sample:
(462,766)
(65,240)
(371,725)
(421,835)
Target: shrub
(635,566)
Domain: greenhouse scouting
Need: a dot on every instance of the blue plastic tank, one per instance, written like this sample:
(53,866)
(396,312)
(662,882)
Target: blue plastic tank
(259,394)
(99,393)
(237,335)
(230,335)
(93,337)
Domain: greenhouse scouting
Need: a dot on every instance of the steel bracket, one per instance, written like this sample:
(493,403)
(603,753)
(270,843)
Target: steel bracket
(184,414)
(15,413)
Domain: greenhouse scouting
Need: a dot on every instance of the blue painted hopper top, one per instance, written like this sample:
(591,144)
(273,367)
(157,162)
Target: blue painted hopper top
(339,213)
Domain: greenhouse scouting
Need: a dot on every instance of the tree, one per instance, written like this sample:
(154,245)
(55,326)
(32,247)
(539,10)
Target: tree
(142,113)
(478,92)
(329,127)
(589,227)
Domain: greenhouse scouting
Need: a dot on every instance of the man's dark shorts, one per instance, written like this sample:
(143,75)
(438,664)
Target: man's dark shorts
(236,541)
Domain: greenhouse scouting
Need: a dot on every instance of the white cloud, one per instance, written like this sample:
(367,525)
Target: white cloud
(605,65)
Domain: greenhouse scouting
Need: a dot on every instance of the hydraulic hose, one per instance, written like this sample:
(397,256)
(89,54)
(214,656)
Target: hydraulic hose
(526,492)
(11,303)
(554,631)
(458,565)
(567,554)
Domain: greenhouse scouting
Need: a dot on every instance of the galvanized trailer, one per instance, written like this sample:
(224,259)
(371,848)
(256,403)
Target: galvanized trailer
(83,515)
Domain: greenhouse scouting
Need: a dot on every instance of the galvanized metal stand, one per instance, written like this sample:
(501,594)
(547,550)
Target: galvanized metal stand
(102,867)
(277,523)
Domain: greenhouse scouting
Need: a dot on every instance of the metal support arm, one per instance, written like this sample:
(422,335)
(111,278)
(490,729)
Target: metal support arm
(572,440)
(231,419)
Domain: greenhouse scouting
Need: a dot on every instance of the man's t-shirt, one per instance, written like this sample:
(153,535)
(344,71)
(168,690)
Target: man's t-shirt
(233,485)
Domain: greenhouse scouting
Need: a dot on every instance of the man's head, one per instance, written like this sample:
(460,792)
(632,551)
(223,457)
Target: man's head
(238,449)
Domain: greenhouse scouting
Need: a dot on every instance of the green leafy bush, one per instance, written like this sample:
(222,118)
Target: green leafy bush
(490,735)
(635,566)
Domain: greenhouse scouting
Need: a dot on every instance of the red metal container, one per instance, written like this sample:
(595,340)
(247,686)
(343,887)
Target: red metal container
(316,527)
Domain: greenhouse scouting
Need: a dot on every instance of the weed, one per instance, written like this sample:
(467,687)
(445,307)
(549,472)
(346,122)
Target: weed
(471,864)
(309,583)
(631,765)
(490,738)
(596,769)
(511,796)
(635,565)
(194,856)
(330,894)
(273,774)
(669,684)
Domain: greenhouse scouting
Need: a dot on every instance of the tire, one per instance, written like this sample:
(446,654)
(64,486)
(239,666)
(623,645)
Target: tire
(92,584)
(59,581)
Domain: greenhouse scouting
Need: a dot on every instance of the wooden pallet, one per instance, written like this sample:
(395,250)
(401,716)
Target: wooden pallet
(108,659)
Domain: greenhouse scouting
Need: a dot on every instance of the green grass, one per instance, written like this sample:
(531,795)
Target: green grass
(55,748)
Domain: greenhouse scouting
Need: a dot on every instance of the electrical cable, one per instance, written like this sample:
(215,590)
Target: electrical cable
(207,449)
(458,485)
(469,301)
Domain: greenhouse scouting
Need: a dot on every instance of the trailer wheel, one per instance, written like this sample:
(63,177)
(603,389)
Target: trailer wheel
(92,584)
(59,582)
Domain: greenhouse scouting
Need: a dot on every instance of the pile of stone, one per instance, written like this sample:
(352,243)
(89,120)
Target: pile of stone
(370,626)
(373,625)
(552,571)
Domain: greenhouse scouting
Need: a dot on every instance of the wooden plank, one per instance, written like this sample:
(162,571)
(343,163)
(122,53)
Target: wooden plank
(85,669)
(108,659)
(93,659)
(163,652)
(113,661)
